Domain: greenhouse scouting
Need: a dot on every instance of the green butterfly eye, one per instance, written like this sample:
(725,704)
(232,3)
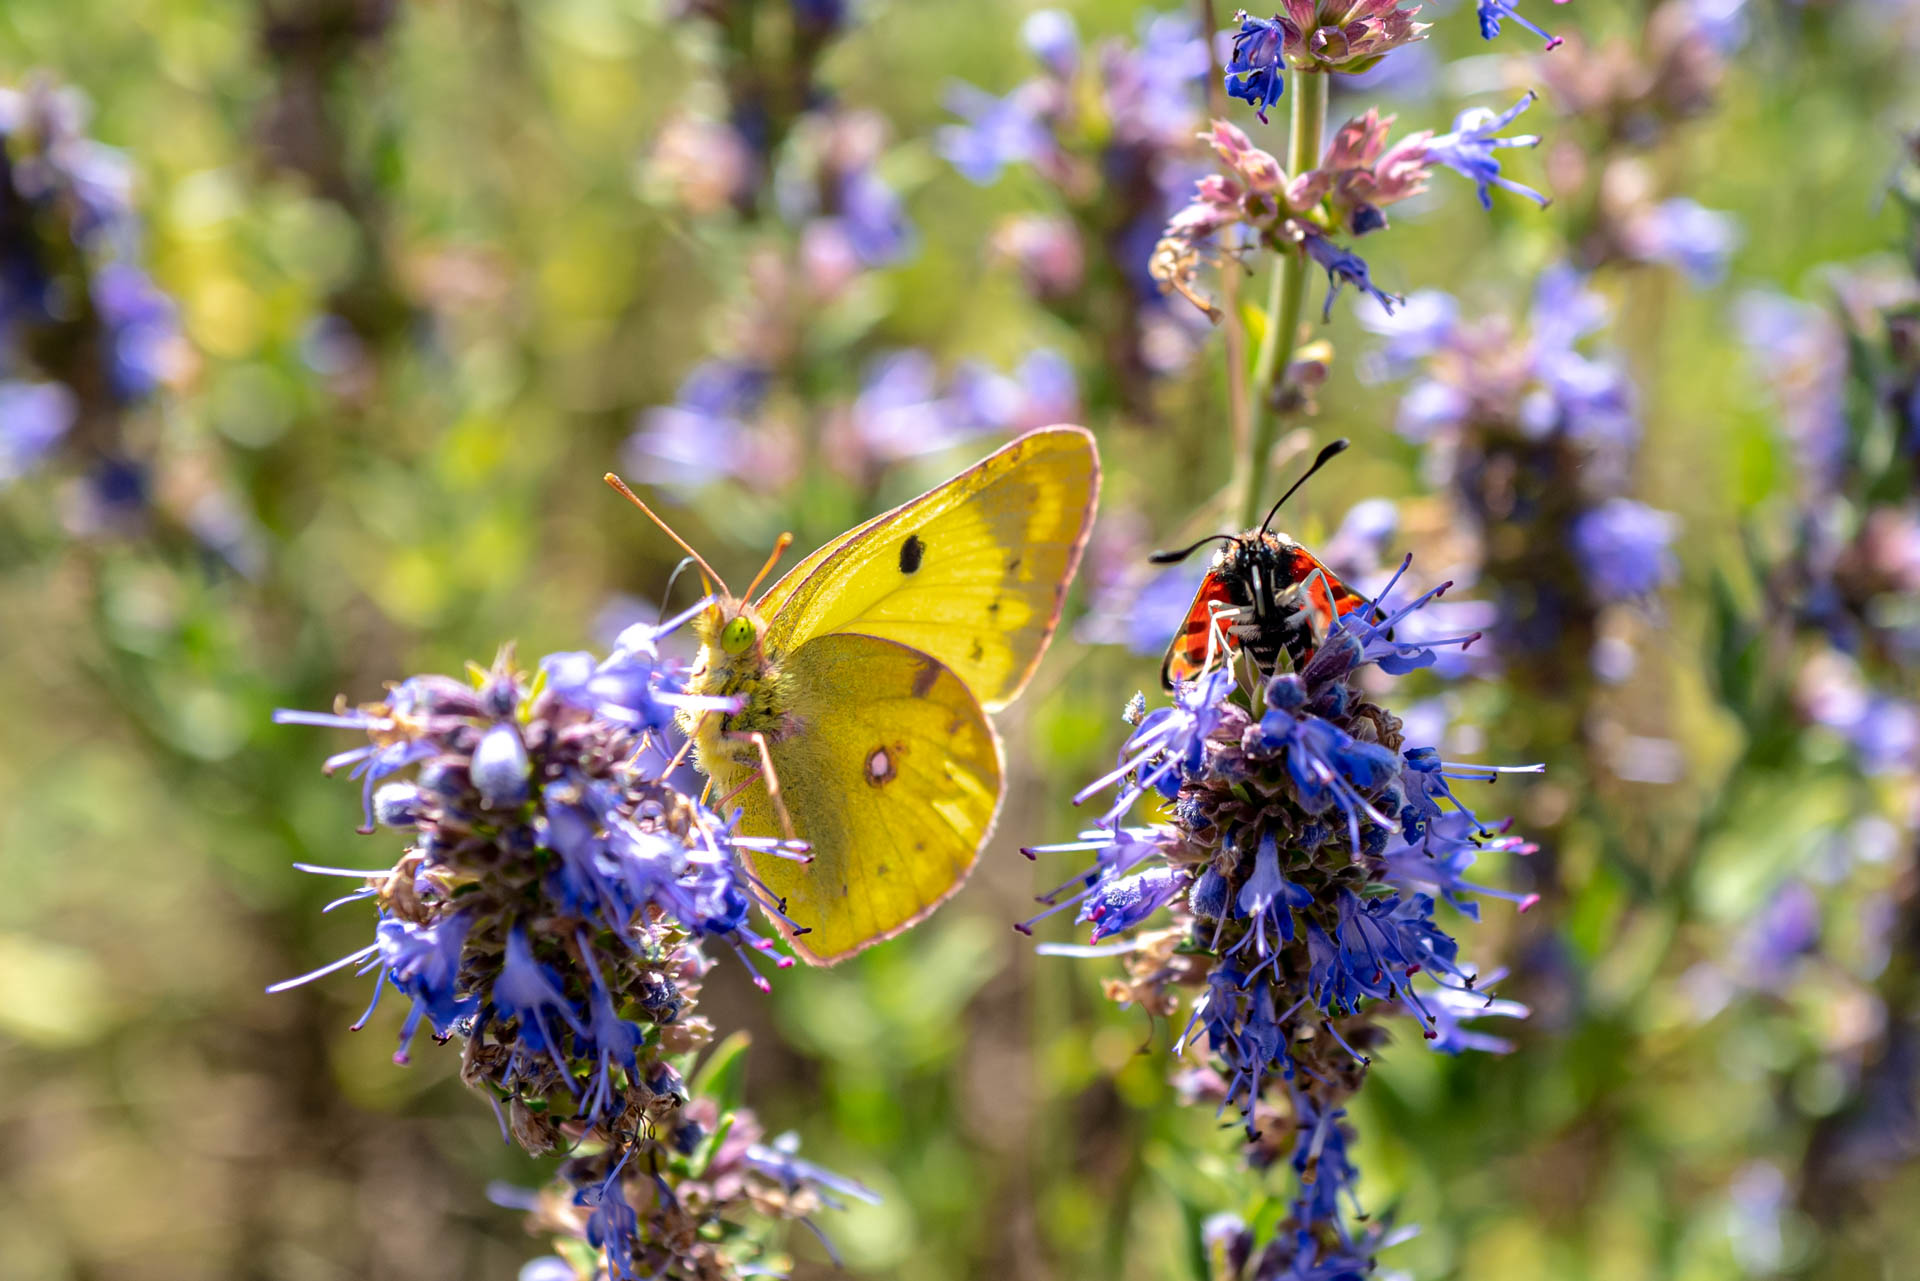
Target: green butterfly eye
(736,635)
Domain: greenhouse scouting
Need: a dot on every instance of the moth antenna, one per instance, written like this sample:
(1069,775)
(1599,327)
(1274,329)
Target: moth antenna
(1175,557)
(706,570)
(780,546)
(1324,457)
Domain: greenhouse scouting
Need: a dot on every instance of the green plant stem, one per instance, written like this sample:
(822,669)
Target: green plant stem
(1287,293)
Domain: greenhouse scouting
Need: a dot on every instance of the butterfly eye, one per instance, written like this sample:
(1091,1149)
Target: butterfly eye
(736,635)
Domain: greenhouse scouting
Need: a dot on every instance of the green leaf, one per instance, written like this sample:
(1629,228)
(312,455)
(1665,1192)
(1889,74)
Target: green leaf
(1255,322)
(723,1077)
(709,1147)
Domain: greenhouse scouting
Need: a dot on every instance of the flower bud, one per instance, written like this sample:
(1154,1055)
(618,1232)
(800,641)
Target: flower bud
(500,767)
(396,805)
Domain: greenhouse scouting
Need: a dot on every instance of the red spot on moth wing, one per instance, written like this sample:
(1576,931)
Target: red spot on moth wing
(1188,651)
(1330,596)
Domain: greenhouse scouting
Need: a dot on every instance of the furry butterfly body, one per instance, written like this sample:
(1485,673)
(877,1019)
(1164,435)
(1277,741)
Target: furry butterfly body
(865,676)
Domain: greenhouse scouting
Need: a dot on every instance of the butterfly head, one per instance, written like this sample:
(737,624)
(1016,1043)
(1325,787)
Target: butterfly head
(730,631)
(738,634)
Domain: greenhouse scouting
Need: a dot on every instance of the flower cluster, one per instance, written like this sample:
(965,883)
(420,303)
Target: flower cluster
(1110,130)
(1256,202)
(1839,577)
(84,332)
(1312,36)
(1535,439)
(1847,385)
(551,913)
(1621,101)
(1300,867)
(766,56)
(722,425)
(772,397)
(1349,36)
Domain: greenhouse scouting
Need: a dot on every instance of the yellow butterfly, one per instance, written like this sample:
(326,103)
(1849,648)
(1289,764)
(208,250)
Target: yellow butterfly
(866,674)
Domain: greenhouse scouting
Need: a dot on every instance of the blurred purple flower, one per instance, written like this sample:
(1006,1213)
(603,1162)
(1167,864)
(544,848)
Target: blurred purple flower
(1886,735)
(705,435)
(1050,36)
(1786,928)
(1685,234)
(998,132)
(821,18)
(33,418)
(1043,390)
(141,328)
(1143,616)
(1798,349)
(873,219)
(1721,23)
(1624,549)
(1359,546)
(1153,92)
(1409,73)
(1420,326)
(1564,309)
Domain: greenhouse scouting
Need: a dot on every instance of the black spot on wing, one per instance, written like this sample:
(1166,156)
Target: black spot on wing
(911,553)
(978,652)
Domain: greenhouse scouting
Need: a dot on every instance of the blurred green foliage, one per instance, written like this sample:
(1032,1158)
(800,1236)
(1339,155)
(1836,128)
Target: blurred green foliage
(463,188)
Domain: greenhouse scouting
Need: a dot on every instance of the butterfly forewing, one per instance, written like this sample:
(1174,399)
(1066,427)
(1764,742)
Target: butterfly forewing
(972,573)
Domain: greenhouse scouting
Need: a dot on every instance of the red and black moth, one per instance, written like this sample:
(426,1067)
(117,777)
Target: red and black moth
(1264,594)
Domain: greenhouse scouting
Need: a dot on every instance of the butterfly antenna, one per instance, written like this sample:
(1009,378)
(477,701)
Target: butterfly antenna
(706,570)
(1324,457)
(667,595)
(780,546)
(1175,557)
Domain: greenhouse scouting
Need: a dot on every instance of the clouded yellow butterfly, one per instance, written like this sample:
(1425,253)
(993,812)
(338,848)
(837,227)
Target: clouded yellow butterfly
(867,672)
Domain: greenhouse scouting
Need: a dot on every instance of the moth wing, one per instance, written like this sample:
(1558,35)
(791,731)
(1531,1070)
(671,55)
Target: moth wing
(1330,596)
(1187,653)
(892,773)
(972,572)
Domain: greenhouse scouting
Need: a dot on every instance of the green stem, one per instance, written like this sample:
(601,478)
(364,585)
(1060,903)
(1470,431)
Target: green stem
(1286,298)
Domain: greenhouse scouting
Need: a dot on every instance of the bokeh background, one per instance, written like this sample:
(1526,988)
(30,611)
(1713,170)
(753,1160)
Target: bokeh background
(431,267)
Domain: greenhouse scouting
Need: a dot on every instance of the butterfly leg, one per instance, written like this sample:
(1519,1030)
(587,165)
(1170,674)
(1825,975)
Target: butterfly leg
(680,756)
(771,776)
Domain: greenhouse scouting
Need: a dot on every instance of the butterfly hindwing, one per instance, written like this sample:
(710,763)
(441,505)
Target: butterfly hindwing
(972,573)
(892,773)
